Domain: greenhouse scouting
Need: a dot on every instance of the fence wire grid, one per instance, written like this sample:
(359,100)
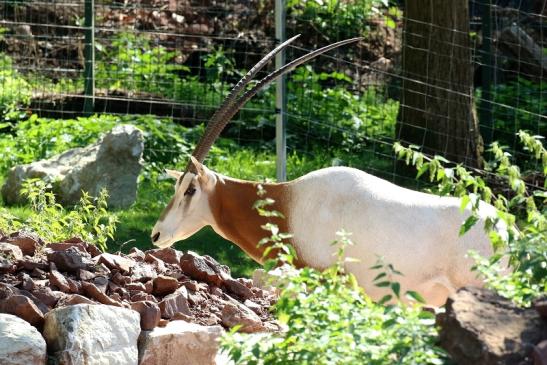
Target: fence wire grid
(177,59)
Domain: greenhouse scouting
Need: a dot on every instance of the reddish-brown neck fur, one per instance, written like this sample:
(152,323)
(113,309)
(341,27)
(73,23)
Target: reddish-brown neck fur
(232,208)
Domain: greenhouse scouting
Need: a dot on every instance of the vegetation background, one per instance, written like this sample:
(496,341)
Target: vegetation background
(164,66)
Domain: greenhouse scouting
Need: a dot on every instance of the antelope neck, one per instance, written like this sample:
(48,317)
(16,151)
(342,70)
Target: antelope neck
(236,220)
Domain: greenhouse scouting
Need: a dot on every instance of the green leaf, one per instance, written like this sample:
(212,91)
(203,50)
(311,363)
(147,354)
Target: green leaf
(468,224)
(465,200)
(413,295)
(396,288)
(382,284)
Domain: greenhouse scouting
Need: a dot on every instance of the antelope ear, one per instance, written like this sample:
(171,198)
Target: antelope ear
(173,173)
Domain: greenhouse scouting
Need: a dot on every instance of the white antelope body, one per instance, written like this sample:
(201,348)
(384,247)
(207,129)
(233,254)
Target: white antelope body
(415,232)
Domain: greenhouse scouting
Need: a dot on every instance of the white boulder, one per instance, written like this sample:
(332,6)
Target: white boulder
(114,163)
(86,334)
(180,343)
(20,343)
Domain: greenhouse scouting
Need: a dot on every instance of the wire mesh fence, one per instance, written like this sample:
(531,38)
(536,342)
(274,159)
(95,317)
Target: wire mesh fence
(447,78)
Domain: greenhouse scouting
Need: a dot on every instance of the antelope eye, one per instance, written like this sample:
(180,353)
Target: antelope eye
(190,191)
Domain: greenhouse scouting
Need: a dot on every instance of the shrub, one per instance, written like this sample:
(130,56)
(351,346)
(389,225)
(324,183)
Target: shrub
(339,18)
(15,92)
(131,62)
(88,220)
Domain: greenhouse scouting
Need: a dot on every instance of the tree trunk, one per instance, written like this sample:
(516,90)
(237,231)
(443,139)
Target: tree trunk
(437,110)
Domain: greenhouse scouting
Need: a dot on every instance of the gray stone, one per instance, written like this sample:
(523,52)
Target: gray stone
(180,343)
(90,334)
(20,343)
(114,163)
(482,328)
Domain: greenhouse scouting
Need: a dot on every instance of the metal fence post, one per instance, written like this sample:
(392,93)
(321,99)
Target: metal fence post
(89,55)
(280,95)
(486,122)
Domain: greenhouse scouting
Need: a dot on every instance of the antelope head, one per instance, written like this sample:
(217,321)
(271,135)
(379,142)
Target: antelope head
(189,210)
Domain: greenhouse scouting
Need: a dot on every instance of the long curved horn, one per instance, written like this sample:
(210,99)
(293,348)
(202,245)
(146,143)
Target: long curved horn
(200,152)
(214,131)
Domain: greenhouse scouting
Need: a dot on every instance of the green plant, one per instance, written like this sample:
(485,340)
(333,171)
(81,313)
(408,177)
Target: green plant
(522,207)
(131,62)
(339,18)
(15,92)
(88,220)
(518,105)
(330,320)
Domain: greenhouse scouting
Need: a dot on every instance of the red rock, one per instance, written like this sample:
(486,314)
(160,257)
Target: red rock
(197,267)
(113,287)
(234,314)
(7,290)
(38,273)
(257,308)
(163,285)
(90,248)
(149,287)
(142,296)
(120,279)
(24,308)
(115,262)
(223,270)
(58,280)
(63,246)
(101,283)
(27,283)
(212,320)
(30,265)
(101,269)
(150,314)
(168,255)
(190,284)
(73,299)
(163,323)
(194,298)
(540,353)
(6,265)
(136,254)
(70,260)
(93,292)
(136,286)
(47,296)
(26,241)
(247,282)
(173,303)
(75,286)
(143,272)
(85,275)
(93,250)
(10,251)
(182,317)
(238,288)
(216,291)
(155,262)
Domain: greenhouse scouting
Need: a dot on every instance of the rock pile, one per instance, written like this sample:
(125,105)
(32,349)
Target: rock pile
(161,297)
(161,284)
